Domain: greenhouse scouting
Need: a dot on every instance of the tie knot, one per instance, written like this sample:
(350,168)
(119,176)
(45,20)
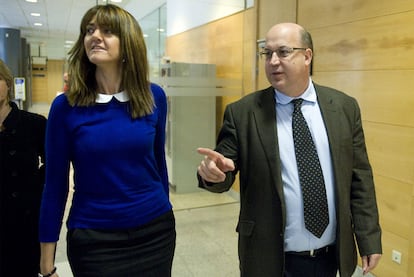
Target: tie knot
(297,103)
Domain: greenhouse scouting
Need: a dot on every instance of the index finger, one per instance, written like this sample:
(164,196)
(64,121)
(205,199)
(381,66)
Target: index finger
(211,154)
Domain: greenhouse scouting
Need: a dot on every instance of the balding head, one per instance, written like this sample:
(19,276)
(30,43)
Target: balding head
(289,56)
(292,29)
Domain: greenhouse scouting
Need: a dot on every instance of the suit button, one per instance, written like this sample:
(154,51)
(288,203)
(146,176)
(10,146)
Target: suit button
(12,152)
(15,194)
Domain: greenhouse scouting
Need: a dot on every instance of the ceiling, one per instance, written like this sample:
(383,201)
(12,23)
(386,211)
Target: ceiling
(60,19)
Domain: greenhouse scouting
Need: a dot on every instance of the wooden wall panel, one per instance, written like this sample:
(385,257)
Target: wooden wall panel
(55,80)
(249,69)
(394,203)
(249,51)
(365,48)
(271,12)
(47,82)
(391,150)
(382,43)
(387,268)
(410,257)
(220,43)
(384,95)
(39,84)
(318,13)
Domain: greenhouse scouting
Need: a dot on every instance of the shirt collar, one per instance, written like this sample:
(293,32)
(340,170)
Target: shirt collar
(105,98)
(308,95)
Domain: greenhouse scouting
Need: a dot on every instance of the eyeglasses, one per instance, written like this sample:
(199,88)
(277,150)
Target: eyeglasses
(281,52)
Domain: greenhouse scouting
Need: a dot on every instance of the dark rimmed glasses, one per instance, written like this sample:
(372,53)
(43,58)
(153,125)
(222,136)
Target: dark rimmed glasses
(281,52)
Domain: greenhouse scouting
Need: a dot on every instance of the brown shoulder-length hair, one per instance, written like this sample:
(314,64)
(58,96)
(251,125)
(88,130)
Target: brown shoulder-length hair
(133,52)
(7,76)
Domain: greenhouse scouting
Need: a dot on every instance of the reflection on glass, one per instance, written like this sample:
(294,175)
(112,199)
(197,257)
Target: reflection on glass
(154,27)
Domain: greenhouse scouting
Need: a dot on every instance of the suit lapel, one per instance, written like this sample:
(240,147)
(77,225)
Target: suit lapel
(329,112)
(265,118)
(331,116)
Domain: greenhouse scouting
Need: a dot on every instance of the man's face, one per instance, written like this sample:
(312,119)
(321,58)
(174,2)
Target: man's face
(286,60)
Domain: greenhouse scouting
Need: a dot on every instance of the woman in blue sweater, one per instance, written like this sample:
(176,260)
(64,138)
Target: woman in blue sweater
(111,126)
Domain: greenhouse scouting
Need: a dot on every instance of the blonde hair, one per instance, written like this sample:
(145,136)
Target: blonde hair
(7,76)
(135,72)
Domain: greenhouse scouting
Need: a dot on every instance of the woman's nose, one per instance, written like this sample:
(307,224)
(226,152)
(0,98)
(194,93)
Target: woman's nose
(97,34)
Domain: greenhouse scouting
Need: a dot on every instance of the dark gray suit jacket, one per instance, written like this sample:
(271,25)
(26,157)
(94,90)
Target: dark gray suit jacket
(249,138)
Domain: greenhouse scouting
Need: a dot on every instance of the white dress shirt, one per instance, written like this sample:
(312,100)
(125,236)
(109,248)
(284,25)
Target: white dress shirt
(297,237)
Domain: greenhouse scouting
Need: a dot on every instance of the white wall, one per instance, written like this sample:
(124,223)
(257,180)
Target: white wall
(183,15)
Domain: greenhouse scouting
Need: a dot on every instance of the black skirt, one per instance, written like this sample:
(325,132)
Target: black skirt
(145,251)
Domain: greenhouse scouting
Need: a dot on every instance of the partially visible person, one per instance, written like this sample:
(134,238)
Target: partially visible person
(22,137)
(65,87)
(65,82)
(111,126)
(258,141)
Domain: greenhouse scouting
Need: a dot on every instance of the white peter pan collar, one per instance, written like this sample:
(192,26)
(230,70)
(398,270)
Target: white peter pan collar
(105,98)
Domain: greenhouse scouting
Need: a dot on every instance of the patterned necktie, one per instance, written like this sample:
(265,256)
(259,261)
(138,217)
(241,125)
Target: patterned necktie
(315,205)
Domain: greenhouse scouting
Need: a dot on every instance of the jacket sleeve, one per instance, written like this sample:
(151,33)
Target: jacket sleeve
(228,146)
(363,200)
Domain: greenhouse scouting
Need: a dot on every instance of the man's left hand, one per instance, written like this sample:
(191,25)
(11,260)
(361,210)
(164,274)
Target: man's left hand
(370,262)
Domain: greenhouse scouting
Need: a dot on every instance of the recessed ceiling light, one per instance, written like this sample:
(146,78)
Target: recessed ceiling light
(35,14)
(69,42)
(38,24)
(116,1)
(31,1)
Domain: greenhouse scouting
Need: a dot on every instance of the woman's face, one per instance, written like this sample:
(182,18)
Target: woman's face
(101,45)
(4,90)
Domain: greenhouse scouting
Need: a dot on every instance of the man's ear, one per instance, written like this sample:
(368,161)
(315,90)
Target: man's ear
(308,56)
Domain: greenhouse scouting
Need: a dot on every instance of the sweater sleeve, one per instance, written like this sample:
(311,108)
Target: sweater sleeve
(159,143)
(57,171)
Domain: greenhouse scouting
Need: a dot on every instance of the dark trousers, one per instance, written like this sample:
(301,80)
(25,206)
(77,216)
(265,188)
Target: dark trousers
(324,265)
(146,251)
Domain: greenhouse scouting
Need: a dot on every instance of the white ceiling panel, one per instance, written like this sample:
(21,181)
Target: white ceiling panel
(60,19)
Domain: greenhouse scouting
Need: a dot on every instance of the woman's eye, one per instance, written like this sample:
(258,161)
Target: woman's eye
(90,30)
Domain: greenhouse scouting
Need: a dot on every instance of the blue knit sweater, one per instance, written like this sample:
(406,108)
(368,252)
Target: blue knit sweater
(120,174)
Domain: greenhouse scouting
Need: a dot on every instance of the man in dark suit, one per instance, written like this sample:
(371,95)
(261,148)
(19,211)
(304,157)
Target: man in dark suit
(256,141)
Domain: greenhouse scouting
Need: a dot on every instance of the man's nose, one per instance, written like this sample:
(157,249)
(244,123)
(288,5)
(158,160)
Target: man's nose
(274,58)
